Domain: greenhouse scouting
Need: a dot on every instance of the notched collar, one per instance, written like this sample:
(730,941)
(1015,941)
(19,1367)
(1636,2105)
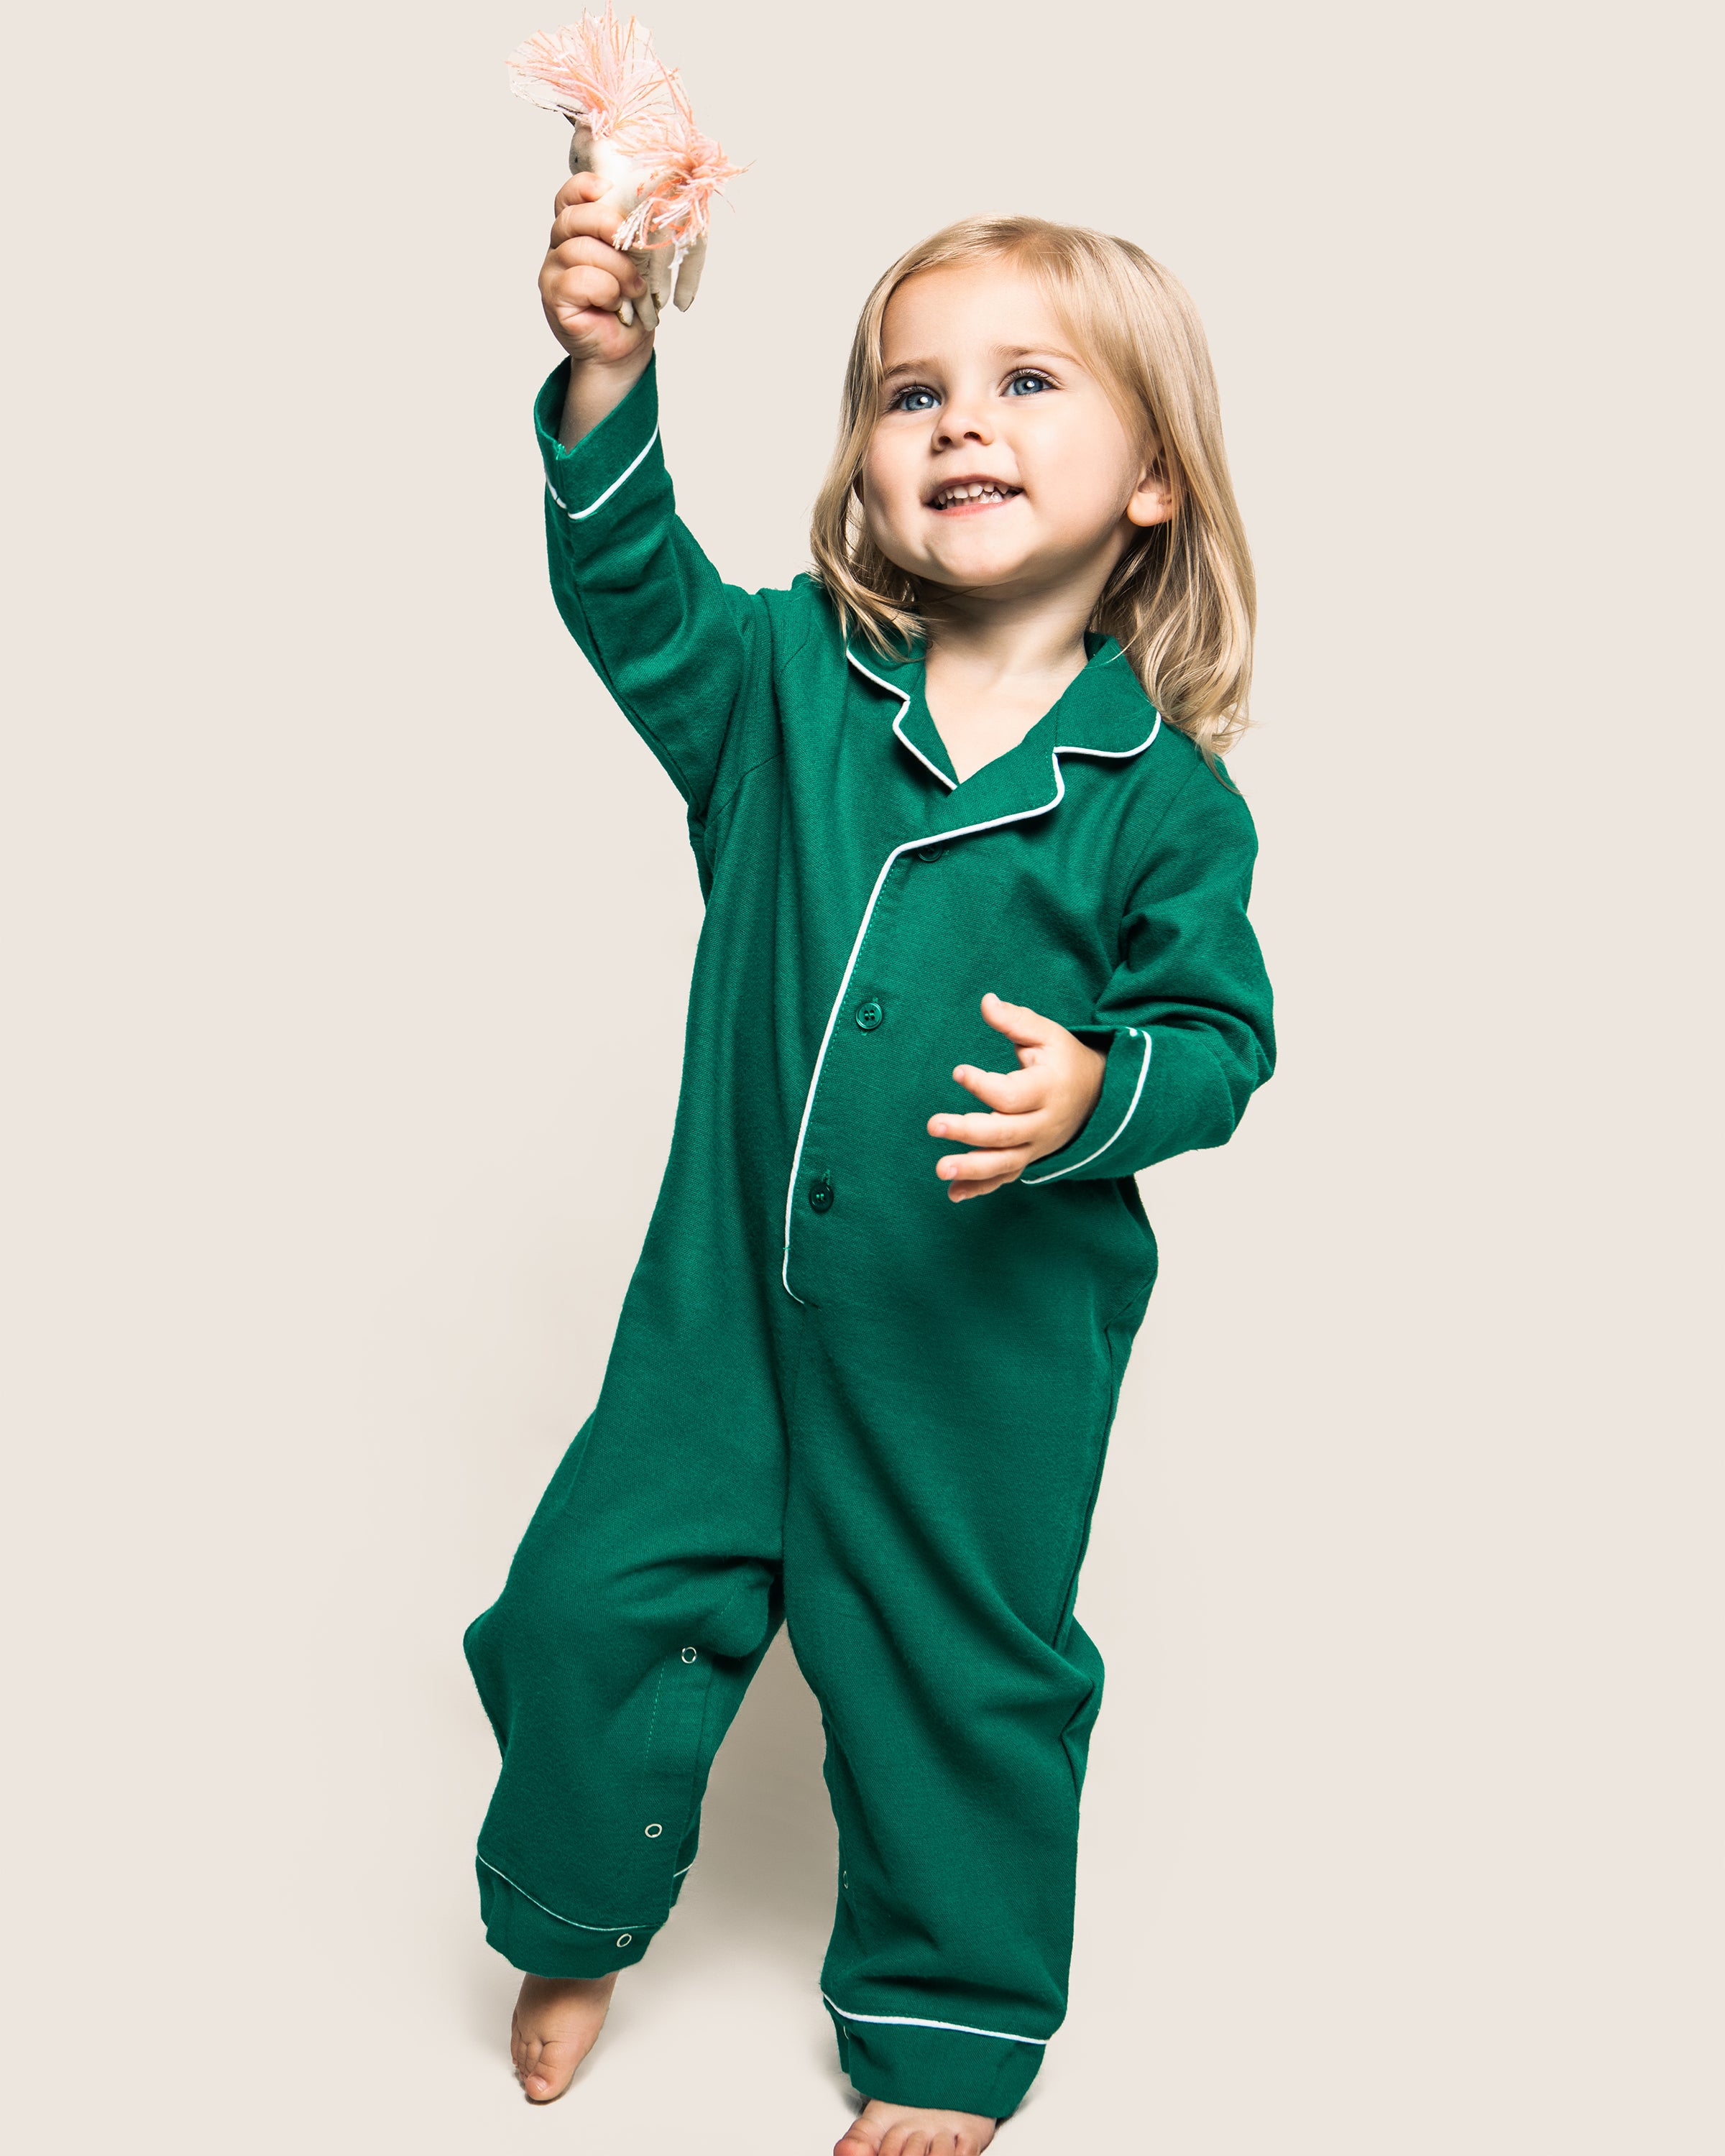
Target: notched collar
(1103,711)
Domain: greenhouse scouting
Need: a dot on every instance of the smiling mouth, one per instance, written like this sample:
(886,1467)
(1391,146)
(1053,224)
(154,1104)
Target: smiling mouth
(973,494)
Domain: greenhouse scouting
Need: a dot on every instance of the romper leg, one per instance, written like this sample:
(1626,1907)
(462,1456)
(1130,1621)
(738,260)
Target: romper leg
(637,1607)
(938,1509)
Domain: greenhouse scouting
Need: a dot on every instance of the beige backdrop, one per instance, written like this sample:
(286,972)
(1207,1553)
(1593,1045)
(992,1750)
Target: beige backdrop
(347,935)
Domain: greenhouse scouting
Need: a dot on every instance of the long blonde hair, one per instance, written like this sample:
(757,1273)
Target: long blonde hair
(1183,599)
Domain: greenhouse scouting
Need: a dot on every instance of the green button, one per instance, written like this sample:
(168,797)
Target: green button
(868,1015)
(930,853)
(820,1194)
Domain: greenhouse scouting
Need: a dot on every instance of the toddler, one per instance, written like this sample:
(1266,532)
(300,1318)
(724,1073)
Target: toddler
(957,803)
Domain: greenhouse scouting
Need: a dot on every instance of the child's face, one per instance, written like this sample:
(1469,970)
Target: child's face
(981,385)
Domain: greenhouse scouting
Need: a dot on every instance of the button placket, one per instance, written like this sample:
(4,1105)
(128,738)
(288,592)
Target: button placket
(867,1017)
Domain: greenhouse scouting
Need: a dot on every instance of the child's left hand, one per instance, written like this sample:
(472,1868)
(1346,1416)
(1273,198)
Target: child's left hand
(1039,1107)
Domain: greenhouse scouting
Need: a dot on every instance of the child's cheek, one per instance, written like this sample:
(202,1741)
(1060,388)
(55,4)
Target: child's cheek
(889,500)
(880,482)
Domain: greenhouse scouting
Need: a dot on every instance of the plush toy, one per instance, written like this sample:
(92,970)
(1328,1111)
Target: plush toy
(633,126)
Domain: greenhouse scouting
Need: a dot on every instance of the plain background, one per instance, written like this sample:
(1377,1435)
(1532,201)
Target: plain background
(347,934)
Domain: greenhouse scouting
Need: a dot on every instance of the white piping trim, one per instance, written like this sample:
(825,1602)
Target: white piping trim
(573,1922)
(1132,1110)
(681,1869)
(904,707)
(915,2021)
(575,515)
(910,845)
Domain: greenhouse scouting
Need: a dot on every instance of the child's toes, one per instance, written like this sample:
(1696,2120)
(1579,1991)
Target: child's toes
(550,2073)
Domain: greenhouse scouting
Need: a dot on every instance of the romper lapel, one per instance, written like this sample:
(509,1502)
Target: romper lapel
(913,726)
(1103,712)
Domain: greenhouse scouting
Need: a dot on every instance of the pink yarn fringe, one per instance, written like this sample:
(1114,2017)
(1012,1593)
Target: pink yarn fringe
(606,73)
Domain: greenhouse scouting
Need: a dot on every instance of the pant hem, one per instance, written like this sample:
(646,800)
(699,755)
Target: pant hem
(538,1942)
(952,2067)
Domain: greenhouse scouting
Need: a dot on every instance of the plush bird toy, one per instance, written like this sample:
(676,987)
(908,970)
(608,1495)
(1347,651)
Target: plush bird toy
(633,126)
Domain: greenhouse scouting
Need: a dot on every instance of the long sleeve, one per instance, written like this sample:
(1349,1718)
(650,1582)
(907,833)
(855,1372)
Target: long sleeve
(675,646)
(1186,1015)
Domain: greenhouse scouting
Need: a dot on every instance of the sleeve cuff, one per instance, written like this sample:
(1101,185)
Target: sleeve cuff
(1107,1145)
(583,480)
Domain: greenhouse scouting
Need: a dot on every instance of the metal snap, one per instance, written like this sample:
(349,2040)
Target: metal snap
(653,1833)
(624,1938)
(689,1654)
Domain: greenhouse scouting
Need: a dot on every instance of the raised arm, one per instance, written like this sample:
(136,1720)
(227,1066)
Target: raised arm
(676,647)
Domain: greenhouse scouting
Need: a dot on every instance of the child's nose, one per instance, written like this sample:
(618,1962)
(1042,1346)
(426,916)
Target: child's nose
(961,423)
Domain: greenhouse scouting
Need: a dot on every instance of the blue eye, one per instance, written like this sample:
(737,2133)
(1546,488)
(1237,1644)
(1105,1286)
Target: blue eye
(1028,380)
(902,402)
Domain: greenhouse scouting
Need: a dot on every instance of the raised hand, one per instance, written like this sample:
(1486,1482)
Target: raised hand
(1034,1110)
(583,280)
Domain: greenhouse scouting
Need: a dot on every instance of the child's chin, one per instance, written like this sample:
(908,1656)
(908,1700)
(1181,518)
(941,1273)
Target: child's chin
(978,569)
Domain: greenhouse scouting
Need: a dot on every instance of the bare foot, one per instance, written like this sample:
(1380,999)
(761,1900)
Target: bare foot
(556,2022)
(894,2129)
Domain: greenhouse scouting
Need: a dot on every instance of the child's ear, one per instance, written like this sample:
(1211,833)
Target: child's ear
(1152,500)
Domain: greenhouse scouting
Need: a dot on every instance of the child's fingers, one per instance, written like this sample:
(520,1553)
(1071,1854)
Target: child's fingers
(958,1192)
(573,210)
(587,254)
(586,207)
(1012,1092)
(596,221)
(983,1129)
(583,289)
(1023,1027)
(968,1167)
(580,187)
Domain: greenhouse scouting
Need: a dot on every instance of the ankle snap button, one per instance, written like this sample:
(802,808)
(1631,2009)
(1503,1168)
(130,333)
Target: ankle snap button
(624,1938)
(653,1833)
(689,1654)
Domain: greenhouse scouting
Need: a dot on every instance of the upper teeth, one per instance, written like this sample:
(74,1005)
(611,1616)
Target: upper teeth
(974,491)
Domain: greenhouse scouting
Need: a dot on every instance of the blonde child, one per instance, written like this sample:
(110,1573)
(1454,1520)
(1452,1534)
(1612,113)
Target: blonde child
(974,756)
